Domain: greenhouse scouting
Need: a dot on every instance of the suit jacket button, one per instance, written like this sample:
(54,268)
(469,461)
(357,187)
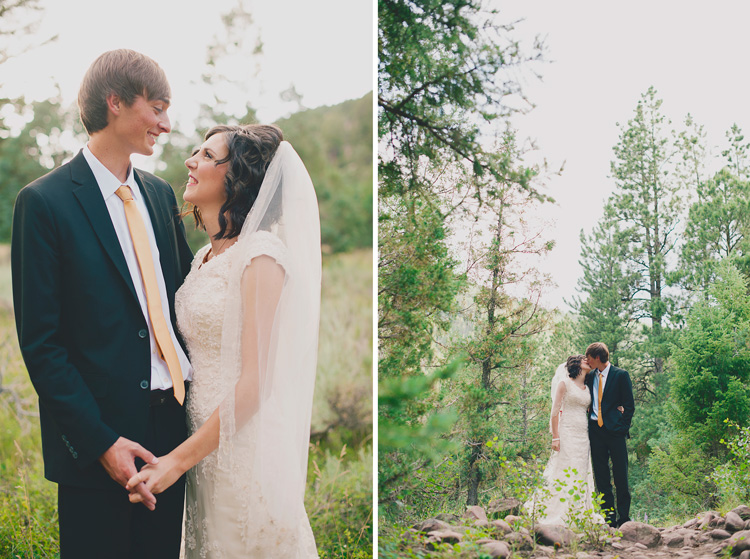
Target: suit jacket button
(144,384)
(143,333)
(75,455)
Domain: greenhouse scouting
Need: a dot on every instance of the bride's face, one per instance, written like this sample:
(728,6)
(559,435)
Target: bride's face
(585,367)
(205,186)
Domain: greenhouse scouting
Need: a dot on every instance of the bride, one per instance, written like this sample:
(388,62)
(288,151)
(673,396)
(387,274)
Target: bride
(569,467)
(249,314)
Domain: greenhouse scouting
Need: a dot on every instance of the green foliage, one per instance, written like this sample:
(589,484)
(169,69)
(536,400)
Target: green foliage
(732,478)
(336,145)
(33,152)
(716,229)
(712,362)
(339,502)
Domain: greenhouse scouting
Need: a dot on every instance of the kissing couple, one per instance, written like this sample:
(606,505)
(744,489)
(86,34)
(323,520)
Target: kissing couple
(157,369)
(592,409)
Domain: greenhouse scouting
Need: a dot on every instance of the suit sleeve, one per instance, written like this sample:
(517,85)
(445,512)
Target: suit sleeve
(627,399)
(37,293)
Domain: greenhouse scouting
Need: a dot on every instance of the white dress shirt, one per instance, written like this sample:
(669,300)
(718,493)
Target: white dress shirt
(595,403)
(108,183)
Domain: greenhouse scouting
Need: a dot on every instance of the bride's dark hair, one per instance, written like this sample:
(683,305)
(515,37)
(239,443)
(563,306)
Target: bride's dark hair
(573,364)
(250,150)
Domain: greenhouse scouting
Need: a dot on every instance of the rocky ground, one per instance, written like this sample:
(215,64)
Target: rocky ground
(707,535)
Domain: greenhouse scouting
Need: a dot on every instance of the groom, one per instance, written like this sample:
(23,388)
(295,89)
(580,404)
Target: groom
(98,251)
(608,428)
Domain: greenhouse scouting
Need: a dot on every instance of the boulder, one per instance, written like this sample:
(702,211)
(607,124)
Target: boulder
(475,513)
(447,517)
(481,524)
(520,541)
(640,533)
(733,522)
(555,536)
(512,519)
(501,526)
(692,523)
(444,536)
(430,525)
(743,511)
(673,539)
(745,554)
(719,534)
(706,518)
(496,548)
(499,508)
(739,542)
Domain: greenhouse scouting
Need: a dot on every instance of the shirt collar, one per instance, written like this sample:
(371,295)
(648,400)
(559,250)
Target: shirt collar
(107,182)
(606,370)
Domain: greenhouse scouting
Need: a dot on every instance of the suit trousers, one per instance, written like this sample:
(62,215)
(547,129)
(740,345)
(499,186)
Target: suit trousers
(101,523)
(606,446)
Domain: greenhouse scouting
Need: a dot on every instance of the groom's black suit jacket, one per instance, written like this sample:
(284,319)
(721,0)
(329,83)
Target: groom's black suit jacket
(81,330)
(618,391)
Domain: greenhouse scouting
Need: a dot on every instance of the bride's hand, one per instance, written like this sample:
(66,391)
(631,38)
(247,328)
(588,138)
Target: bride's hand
(555,447)
(156,477)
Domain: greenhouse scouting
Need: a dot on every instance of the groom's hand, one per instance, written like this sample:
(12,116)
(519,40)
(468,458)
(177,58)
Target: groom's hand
(119,462)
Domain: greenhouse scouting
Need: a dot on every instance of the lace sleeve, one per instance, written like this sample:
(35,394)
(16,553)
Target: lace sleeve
(558,401)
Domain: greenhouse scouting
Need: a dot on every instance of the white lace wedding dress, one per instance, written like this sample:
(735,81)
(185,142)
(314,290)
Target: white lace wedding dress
(226,515)
(570,467)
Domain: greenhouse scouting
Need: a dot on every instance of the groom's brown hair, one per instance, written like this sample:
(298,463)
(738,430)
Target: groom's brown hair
(599,351)
(124,72)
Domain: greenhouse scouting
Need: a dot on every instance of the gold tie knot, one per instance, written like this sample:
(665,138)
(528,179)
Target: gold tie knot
(124,193)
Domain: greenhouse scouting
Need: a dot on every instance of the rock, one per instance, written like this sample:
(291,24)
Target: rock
(501,526)
(719,534)
(496,549)
(673,539)
(444,536)
(430,525)
(742,511)
(618,545)
(512,519)
(706,518)
(475,513)
(556,536)
(691,523)
(519,540)
(640,533)
(481,524)
(745,554)
(739,542)
(500,508)
(734,522)
(447,517)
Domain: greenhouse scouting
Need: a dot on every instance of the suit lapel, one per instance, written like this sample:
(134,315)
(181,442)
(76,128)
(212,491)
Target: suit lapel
(90,197)
(610,381)
(157,211)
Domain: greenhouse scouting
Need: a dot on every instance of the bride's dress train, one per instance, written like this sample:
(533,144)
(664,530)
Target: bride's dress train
(570,468)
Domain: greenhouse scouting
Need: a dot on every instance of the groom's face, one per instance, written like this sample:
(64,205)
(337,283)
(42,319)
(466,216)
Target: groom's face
(139,124)
(594,362)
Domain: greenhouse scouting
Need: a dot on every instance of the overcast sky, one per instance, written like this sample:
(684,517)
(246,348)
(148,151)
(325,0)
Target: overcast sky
(603,56)
(322,47)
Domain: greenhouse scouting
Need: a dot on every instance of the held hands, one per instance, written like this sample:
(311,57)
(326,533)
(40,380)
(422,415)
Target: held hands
(119,462)
(154,478)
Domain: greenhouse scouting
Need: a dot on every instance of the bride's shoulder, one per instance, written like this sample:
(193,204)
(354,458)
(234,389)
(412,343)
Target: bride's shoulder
(264,243)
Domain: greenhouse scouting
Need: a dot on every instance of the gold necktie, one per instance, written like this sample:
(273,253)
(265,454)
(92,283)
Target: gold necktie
(599,419)
(153,299)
